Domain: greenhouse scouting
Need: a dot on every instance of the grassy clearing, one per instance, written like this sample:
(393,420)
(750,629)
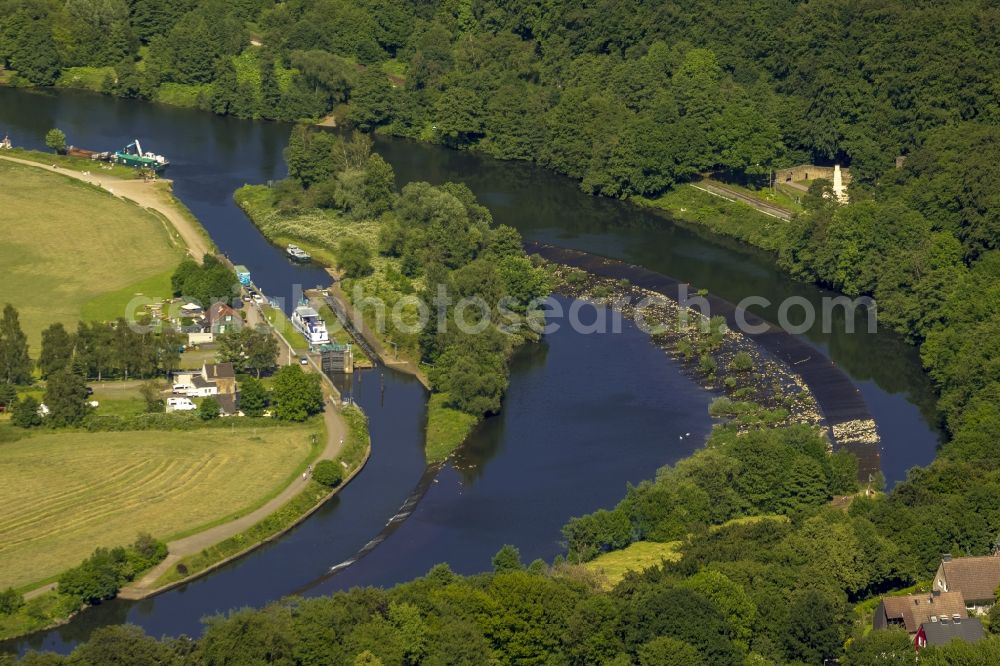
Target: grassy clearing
(193,359)
(447,428)
(638,557)
(778,197)
(749,520)
(182,94)
(74,163)
(728,218)
(114,304)
(74,491)
(85,78)
(52,280)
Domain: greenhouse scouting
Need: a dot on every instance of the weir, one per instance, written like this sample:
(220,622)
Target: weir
(845,414)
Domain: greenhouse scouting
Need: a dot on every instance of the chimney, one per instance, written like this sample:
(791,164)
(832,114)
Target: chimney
(946,557)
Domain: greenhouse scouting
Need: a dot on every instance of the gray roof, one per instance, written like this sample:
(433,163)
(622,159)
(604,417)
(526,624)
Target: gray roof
(227,402)
(941,633)
(199,382)
(220,370)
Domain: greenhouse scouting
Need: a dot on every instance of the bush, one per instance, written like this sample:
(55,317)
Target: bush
(100,576)
(742,362)
(146,552)
(707,364)
(25,413)
(11,601)
(721,407)
(208,409)
(329,473)
(97,578)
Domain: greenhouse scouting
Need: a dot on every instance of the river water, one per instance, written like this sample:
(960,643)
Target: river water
(585,414)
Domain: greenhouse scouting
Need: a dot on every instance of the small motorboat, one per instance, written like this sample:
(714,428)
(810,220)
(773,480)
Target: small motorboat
(297,253)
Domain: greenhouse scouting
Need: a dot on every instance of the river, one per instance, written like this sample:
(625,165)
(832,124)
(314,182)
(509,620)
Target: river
(584,415)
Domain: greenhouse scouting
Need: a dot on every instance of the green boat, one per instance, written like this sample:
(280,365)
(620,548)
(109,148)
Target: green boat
(132,155)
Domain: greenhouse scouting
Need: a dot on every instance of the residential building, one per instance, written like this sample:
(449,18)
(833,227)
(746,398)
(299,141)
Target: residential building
(913,610)
(216,380)
(943,630)
(976,578)
(223,319)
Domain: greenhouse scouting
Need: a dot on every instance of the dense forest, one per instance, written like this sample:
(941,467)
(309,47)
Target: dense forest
(633,98)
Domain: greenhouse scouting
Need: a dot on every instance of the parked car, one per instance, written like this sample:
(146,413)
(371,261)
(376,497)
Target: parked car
(304,360)
(257,298)
(181,388)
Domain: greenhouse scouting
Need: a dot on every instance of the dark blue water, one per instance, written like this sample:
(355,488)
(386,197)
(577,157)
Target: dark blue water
(584,415)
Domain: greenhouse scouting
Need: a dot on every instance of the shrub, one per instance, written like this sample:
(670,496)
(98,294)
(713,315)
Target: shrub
(329,473)
(11,601)
(25,413)
(97,578)
(146,552)
(721,407)
(742,362)
(707,364)
(208,409)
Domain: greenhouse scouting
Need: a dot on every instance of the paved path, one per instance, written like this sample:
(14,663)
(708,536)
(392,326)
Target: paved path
(147,194)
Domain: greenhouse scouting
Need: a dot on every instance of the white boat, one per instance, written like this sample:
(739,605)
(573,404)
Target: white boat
(308,322)
(297,253)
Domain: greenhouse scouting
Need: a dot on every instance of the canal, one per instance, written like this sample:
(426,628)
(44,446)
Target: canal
(575,427)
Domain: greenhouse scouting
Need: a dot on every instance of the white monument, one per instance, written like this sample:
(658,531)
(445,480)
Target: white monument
(839,189)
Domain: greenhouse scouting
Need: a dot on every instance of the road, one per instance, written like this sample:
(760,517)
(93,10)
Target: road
(149,195)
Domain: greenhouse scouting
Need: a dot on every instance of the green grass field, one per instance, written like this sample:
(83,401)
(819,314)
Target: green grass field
(447,428)
(71,251)
(66,493)
(639,556)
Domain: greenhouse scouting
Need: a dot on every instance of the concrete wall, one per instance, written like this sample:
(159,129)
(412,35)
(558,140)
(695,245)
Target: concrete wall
(810,172)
